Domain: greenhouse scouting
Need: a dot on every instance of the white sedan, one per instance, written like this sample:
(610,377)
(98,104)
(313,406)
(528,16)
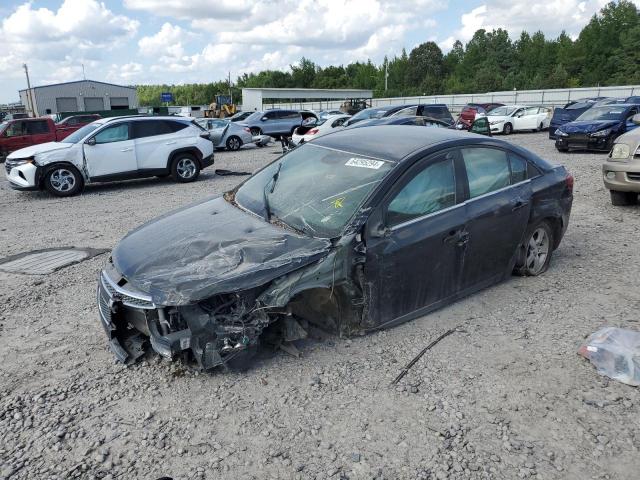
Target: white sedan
(316,129)
(514,118)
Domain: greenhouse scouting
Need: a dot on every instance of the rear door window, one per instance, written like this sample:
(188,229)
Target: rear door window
(150,128)
(518,168)
(487,170)
(37,127)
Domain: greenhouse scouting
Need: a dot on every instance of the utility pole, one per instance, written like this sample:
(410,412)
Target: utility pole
(386,75)
(30,93)
(229,83)
(83,75)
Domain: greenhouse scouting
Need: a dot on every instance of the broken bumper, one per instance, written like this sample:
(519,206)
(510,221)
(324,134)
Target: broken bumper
(129,320)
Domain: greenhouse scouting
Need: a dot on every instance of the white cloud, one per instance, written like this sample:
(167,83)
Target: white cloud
(166,44)
(515,16)
(188,9)
(78,26)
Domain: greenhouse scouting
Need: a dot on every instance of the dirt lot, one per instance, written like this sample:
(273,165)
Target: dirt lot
(507,398)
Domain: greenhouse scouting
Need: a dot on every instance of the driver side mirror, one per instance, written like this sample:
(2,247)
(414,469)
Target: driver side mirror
(91,141)
(481,126)
(636,119)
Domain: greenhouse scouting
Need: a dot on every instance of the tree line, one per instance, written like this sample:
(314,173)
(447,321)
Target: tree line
(606,52)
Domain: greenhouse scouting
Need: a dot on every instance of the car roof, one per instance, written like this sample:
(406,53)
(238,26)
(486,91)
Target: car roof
(389,142)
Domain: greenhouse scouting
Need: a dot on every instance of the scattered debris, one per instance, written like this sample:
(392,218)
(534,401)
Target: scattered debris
(615,352)
(405,370)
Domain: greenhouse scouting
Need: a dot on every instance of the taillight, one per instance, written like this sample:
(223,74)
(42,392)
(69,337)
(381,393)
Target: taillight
(568,180)
(312,132)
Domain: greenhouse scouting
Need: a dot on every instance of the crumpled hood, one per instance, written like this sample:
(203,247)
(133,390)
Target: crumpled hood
(589,126)
(208,248)
(40,148)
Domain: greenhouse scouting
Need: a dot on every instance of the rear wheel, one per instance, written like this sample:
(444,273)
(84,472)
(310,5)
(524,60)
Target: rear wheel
(63,181)
(507,129)
(540,127)
(185,168)
(536,251)
(233,143)
(562,149)
(620,199)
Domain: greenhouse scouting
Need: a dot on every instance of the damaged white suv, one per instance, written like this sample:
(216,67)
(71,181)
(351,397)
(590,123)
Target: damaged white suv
(109,149)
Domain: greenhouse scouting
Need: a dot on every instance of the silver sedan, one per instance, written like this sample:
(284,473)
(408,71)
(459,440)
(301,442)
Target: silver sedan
(226,134)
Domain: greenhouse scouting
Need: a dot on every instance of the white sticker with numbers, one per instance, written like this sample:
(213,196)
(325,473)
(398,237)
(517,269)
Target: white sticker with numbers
(364,163)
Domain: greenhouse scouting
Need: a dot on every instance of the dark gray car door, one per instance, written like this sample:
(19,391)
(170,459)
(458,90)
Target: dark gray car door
(414,261)
(498,209)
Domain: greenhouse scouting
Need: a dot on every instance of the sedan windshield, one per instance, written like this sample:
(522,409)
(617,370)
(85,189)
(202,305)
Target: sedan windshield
(609,112)
(78,135)
(313,189)
(502,111)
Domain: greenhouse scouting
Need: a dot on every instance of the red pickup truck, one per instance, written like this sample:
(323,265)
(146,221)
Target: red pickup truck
(24,132)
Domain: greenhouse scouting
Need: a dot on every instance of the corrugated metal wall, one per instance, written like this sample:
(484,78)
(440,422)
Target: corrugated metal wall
(553,98)
(94,92)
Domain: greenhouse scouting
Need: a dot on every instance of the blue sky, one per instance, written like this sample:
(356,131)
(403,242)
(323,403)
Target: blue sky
(185,41)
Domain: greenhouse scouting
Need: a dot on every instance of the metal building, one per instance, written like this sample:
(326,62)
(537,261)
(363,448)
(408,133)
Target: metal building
(79,96)
(254,98)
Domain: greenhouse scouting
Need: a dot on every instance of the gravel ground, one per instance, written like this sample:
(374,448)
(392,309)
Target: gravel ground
(506,398)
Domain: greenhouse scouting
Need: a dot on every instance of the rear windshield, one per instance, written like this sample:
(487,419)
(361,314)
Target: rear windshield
(609,112)
(439,113)
(578,105)
(368,113)
(502,111)
(78,135)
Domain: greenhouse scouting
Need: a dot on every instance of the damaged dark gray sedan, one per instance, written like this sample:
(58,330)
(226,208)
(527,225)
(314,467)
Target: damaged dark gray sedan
(359,230)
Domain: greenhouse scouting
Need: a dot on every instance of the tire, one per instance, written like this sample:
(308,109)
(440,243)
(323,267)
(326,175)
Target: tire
(63,181)
(255,131)
(507,129)
(540,127)
(562,149)
(535,253)
(233,143)
(185,168)
(620,199)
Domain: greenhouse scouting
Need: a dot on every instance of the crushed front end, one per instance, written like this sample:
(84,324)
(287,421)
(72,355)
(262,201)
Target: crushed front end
(218,331)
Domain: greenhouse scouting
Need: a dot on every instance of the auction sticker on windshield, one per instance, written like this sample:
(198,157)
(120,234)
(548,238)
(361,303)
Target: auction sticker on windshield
(364,163)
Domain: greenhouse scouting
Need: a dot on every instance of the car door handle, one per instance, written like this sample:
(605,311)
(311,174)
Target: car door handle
(519,204)
(170,143)
(458,237)
(126,149)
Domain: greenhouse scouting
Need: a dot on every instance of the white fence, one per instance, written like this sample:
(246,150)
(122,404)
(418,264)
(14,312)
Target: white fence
(553,98)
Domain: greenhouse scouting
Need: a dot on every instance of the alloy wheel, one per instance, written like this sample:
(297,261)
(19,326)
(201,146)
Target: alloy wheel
(186,168)
(233,143)
(537,251)
(62,180)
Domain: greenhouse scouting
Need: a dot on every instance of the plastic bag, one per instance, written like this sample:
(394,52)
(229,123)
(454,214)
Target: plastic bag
(615,352)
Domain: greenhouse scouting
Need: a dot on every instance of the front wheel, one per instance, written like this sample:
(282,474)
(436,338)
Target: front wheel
(185,168)
(620,199)
(63,181)
(507,129)
(255,132)
(233,143)
(535,254)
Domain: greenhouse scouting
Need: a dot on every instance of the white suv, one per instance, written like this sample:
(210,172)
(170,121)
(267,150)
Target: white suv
(111,149)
